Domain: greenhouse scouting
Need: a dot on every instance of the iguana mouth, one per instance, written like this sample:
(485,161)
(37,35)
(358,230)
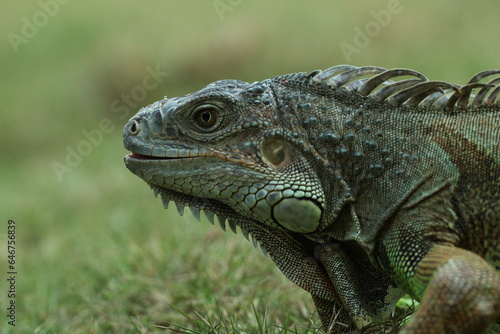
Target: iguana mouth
(139,156)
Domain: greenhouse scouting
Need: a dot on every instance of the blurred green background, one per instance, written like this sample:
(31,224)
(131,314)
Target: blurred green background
(95,252)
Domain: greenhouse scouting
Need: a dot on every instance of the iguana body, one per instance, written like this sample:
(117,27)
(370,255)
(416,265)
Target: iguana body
(360,188)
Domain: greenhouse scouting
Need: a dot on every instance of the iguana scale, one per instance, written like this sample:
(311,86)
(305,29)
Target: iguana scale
(361,183)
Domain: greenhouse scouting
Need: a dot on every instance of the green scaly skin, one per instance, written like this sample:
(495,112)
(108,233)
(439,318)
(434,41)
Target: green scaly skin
(362,184)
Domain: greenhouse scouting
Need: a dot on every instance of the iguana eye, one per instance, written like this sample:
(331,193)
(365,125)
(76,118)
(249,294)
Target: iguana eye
(206,116)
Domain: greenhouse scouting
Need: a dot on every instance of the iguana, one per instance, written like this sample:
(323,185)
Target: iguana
(361,183)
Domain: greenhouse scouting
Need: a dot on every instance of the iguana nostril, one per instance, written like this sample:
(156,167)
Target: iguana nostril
(134,127)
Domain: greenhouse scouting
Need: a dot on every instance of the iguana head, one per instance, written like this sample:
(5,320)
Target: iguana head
(228,143)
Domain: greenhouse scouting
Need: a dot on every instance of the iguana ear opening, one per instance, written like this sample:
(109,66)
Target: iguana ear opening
(275,151)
